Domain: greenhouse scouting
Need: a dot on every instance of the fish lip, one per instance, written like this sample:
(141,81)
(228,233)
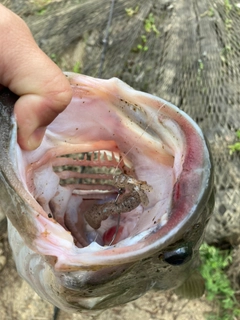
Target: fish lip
(159,238)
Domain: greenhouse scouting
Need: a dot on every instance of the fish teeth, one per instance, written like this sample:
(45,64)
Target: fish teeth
(164,219)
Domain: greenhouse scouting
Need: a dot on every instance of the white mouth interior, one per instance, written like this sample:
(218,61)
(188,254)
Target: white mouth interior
(94,142)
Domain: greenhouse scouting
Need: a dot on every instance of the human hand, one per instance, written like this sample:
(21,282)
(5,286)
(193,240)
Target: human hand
(42,88)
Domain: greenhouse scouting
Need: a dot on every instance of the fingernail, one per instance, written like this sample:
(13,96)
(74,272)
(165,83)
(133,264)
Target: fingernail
(35,139)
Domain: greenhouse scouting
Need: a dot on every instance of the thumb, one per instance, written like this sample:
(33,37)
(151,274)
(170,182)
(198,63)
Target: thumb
(43,89)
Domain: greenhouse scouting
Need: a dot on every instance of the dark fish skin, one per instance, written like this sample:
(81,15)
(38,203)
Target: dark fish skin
(12,199)
(105,286)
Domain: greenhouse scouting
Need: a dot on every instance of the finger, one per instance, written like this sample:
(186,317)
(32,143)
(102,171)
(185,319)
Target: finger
(43,89)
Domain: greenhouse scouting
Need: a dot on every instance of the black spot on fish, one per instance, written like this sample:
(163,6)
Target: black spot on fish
(222,209)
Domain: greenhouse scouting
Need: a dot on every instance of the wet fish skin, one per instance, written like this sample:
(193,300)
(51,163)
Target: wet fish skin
(14,203)
(107,283)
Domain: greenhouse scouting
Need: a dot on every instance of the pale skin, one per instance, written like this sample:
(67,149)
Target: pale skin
(26,70)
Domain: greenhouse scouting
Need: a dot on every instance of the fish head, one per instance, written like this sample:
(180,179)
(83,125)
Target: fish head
(115,200)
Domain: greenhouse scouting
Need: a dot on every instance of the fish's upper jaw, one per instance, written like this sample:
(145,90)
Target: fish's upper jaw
(83,214)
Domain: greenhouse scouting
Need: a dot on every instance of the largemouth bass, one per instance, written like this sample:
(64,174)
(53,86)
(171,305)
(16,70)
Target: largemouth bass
(92,240)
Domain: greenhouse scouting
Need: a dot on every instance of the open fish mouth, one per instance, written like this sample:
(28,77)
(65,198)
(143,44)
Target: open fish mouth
(119,175)
(108,191)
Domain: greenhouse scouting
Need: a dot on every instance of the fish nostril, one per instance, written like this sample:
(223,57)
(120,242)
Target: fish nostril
(179,256)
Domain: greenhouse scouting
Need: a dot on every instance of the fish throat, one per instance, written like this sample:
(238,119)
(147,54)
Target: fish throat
(106,186)
(100,185)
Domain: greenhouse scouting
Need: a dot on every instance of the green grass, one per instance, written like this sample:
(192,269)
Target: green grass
(228,8)
(41,12)
(149,24)
(130,11)
(218,287)
(210,12)
(227,5)
(77,67)
(142,46)
(236,146)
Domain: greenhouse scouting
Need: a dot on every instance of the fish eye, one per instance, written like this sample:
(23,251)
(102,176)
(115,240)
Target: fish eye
(178,256)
